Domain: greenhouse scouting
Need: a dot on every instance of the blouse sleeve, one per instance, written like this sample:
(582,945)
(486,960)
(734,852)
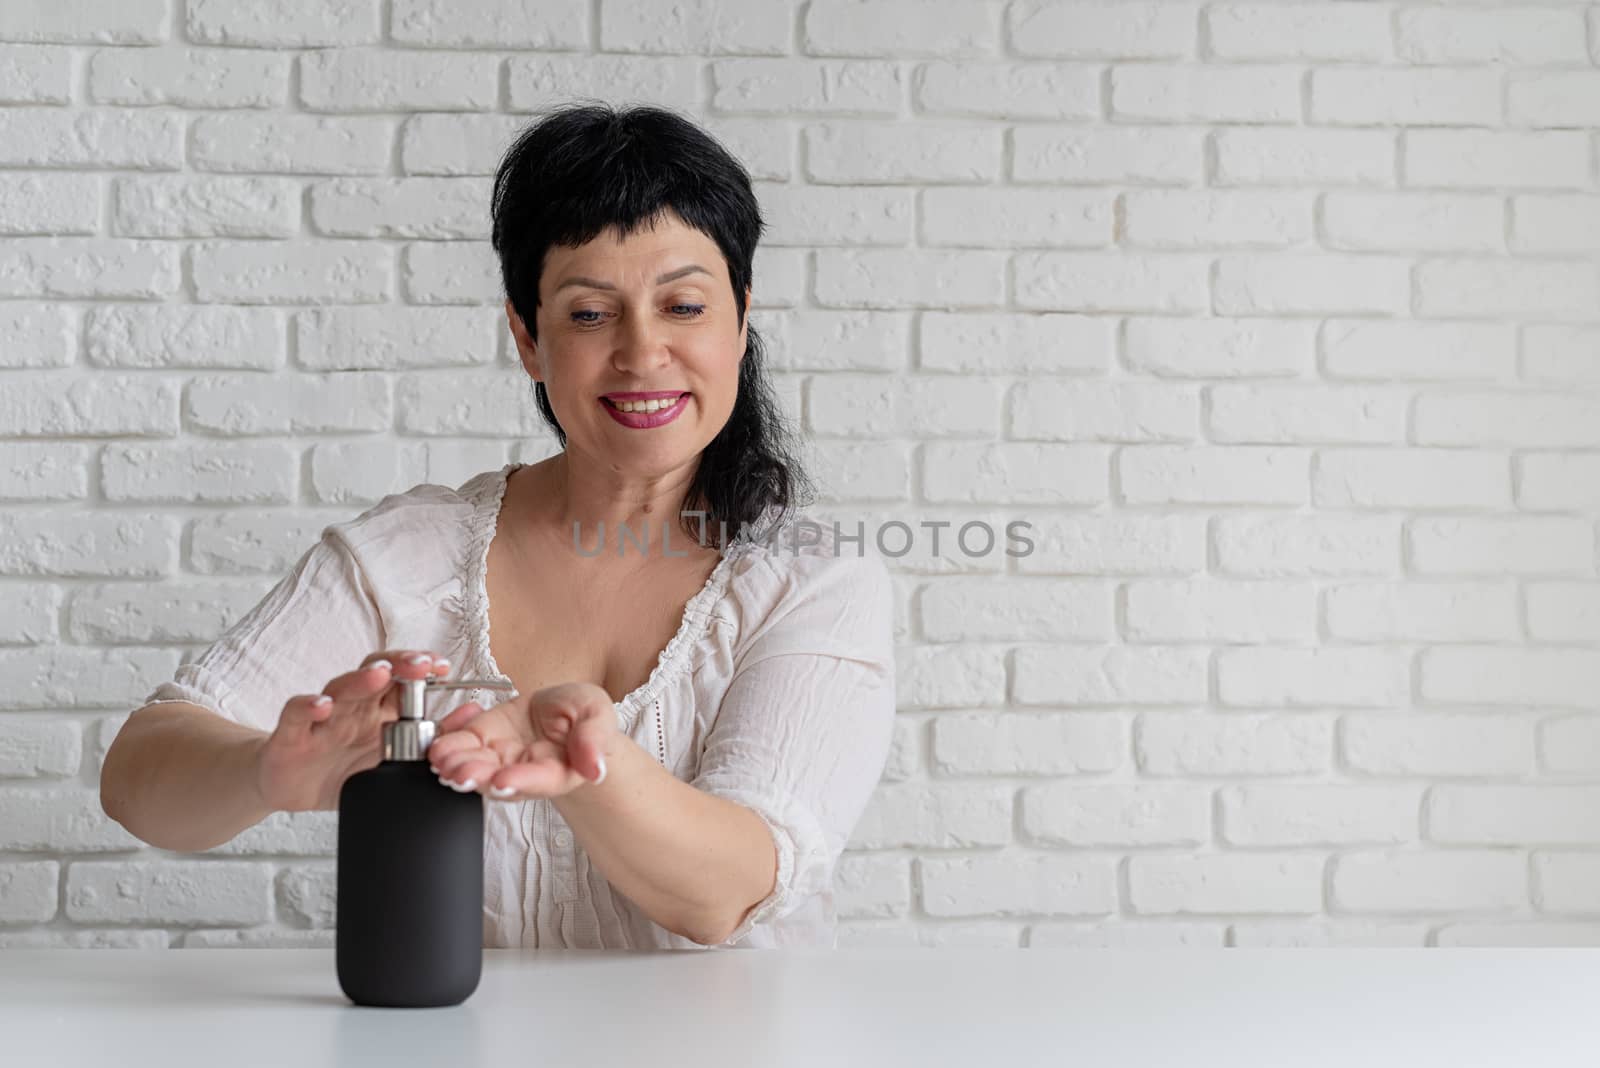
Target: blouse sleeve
(319,622)
(803,732)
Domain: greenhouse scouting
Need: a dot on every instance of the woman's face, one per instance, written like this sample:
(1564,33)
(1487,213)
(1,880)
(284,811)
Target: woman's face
(654,313)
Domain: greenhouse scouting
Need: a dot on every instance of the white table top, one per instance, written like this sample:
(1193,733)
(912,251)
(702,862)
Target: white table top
(1287,1008)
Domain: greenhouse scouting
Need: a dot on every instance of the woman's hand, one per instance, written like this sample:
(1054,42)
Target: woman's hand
(546,744)
(321,740)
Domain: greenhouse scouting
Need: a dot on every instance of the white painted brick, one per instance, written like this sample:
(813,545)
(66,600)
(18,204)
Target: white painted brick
(1256,93)
(65,820)
(1127,935)
(1542,420)
(39,747)
(34,609)
(43,204)
(290,404)
(872,887)
(307,834)
(1527,545)
(286,23)
(57,938)
(783,272)
(1185,219)
(455,144)
(362,472)
(1292,934)
(1209,610)
(1555,222)
(945,816)
(1514,815)
(939,28)
(1374,96)
(1016,218)
(907,278)
(35,74)
(1322,545)
(1236,744)
(205,207)
(1309,31)
(1511,36)
(804,340)
(292,144)
(108,545)
(184,336)
(764,148)
(1019,884)
(1567,883)
(84,21)
(1547,935)
(1563,482)
(536,83)
(806,86)
(451,272)
(28,891)
(1503,289)
(1456,744)
(480,402)
(1058,410)
(1224,474)
(1219,348)
(1116,815)
(306,895)
(1312,283)
(1225,883)
(1110,281)
(58,676)
(1564,98)
(258,938)
(1113,544)
(1435,222)
(188,77)
(257,541)
(1008,91)
(359,79)
(1410,478)
(91,267)
(1102,30)
(43,471)
(1132,675)
(1318,815)
(1456,880)
(905,748)
(492,24)
(1311,677)
(852,405)
(980,609)
(696,27)
(91,138)
(1422,612)
(66,404)
(172,891)
(1495,675)
(224,474)
(832,215)
(1248,156)
(1284,414)
(1149,155)
(1380,351)
(925,936)
(38,334)
(157,614)
(1033,743)
(1015,473)
(942,676)
(1563,612)
(865,153)
(966,342)
(1478,159)
(309,272)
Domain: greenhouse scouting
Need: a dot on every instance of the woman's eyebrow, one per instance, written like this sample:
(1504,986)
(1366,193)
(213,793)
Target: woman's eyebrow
(595,283)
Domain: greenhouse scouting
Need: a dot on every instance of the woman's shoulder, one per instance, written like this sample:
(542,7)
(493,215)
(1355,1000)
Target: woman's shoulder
(803,557)
(429,519)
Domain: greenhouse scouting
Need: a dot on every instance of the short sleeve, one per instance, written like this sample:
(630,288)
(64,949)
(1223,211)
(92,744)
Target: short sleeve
(320,621)
(803,732)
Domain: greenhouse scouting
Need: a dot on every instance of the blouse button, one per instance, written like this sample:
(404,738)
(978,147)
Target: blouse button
(563,839)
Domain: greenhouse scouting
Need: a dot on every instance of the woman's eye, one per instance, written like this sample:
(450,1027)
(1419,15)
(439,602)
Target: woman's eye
(693,309)
(688,310)
(578,313)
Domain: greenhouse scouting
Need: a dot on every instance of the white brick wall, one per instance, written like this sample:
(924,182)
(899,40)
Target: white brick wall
(1280,322)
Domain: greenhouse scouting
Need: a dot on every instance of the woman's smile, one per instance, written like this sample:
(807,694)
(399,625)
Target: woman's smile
(646,420)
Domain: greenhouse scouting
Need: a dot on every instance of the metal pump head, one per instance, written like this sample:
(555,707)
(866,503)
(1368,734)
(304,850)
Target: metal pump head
(408,737)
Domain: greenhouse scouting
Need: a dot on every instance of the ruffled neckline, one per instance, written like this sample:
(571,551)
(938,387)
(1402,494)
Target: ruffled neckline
(670,661)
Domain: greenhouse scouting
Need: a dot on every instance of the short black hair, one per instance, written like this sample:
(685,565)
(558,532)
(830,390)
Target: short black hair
(584,167)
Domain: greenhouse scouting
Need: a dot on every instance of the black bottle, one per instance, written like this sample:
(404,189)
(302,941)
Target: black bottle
(409,907)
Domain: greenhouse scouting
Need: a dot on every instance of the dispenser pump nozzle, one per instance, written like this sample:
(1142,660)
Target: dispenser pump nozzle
(408,737)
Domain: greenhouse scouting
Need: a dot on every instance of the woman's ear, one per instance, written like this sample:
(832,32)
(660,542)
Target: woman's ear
(527,348)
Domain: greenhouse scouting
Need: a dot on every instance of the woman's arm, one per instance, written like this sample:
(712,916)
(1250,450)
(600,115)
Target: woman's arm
(182,778)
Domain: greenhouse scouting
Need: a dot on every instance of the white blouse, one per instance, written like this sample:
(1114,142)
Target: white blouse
(777,692)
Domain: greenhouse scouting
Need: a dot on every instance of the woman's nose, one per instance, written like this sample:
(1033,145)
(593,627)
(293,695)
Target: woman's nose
(640,344)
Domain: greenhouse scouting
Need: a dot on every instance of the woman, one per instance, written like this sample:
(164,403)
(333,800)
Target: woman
(697,725)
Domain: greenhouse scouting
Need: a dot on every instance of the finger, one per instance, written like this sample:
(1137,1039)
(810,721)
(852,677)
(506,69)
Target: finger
(586,748)
(459,718)
(474,766)
(534,778)
(410,663)
(302,712)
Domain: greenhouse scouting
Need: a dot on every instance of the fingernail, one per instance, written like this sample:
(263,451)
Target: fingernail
(418,658)
(323,702)
(602,777)
(466,787)
(442,663)
(383,664)
(502,791)
(433,769)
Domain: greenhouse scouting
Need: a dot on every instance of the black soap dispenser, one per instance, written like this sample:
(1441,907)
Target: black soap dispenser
(409,907)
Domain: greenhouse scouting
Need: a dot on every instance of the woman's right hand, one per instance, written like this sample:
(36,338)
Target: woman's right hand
(321,740)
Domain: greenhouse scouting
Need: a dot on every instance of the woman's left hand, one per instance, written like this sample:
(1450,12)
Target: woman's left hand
(546,744)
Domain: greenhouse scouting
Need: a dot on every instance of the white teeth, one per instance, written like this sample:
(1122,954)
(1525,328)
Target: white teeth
(645,406)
